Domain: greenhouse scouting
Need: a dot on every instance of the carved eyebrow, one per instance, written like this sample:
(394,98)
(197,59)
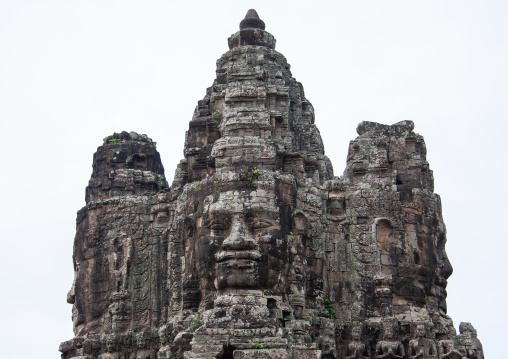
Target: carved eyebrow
(260,223)
(218,224)
(257,209)
(216,210)
(260,209)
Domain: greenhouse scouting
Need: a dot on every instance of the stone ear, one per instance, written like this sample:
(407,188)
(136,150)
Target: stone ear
(384,234)
(300,223)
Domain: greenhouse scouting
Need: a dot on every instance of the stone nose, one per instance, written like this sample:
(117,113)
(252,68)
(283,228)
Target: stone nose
(240,237)
(447,269)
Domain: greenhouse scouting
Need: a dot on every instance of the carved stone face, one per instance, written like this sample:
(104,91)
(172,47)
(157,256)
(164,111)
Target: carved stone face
(249,245)
(142,341)
(465,327)
(388,333)
(420,331)
(110,344)
(443,267)
(235,239)
(356,333)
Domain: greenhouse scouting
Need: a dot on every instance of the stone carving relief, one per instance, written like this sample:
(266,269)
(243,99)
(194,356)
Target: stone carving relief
(356,348)
(389,347)
(420,346)
(257,250)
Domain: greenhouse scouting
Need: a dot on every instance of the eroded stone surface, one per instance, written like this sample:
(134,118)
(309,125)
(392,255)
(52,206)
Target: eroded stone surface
(257,250)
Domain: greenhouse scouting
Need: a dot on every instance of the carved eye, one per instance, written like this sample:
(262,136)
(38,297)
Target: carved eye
(260,223)
(218,224)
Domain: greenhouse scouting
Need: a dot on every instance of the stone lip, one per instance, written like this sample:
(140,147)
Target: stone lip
(231,255)
(252,21)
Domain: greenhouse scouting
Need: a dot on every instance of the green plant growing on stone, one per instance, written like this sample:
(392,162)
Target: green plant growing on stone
(114,140)
(260,346)
(329,208)
(197,189)
(255,174)
(329,307)
(196,323)
(216,113)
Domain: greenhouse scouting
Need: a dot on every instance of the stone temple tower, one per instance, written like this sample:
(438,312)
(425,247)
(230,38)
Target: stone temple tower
(257,250)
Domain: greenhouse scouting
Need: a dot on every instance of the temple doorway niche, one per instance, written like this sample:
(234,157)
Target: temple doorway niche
(226,353)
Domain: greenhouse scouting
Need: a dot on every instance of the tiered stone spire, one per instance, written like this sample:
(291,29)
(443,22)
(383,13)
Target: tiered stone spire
(255,115)
(257,250)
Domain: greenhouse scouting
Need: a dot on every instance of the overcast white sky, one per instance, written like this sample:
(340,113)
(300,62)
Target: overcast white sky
(73,72)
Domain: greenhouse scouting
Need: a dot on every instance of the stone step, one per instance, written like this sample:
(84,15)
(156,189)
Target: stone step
(251,343)
(190,355)
(308,346)
(211,339)
(306,354)
(206,348)
(261,354)
(240,332)
(201,356)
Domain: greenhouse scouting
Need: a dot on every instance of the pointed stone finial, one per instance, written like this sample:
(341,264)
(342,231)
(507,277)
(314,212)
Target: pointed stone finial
(252,21)
(252,32)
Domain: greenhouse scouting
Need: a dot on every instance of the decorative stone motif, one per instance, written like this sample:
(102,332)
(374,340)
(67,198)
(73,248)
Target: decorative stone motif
(356,348)
(257,250)
(388,347)
(421,347)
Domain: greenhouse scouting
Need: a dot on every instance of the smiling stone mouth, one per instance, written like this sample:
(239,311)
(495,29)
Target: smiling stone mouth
(238,264)
(223,256)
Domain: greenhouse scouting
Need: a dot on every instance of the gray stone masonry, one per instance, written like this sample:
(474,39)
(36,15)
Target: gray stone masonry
(257,250)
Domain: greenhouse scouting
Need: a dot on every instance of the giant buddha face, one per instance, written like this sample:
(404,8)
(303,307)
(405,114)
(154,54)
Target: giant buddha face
(236,238)
(250,249)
